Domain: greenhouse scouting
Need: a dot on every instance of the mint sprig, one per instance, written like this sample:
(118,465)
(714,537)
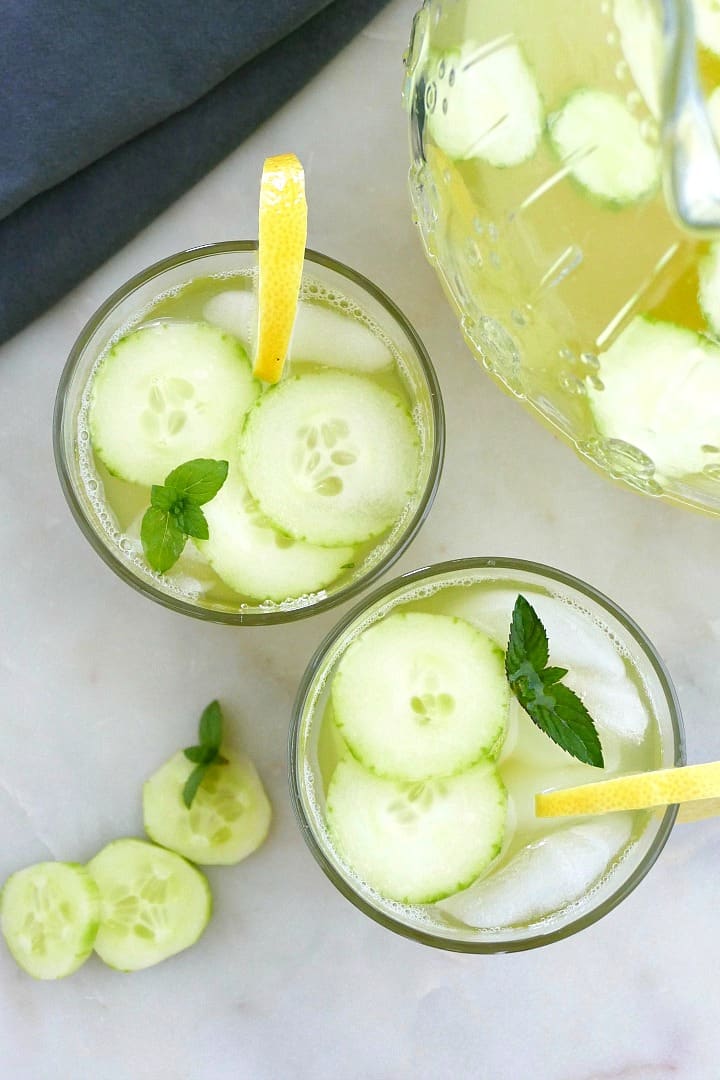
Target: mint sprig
(552,706)
(174,512)
(206,752)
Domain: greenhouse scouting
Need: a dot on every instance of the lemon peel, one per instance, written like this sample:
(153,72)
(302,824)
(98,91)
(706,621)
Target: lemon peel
(697,787)
(281,249)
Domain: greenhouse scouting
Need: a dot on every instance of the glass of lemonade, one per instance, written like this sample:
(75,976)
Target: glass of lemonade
(538,133)
(340,470)
(413,770)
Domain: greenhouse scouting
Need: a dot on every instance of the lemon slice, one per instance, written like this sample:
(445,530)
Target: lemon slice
(281,249)
(697,786)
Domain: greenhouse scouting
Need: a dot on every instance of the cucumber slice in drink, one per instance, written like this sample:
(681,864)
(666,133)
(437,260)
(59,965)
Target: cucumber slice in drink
(417,842)
(660,393)
(709,292)
(421,695)
(49,916)
(486,105)
(331,458)
(601,143)
(322,334)
(254,558)
(166,394)
(707,24)
(153,904)
(229,817)
(642,44)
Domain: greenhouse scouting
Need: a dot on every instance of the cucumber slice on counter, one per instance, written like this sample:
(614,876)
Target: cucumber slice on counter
(229,817)
(417,842)
(166,394)
(153,904)
(331,459)
(601,142)
(420,695)
(49,916)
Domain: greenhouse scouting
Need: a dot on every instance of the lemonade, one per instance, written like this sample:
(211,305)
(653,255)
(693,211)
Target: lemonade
(328,474)
(537,185)
(414,768)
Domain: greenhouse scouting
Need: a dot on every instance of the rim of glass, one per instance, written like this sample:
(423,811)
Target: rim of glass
(251,618)
(398,584)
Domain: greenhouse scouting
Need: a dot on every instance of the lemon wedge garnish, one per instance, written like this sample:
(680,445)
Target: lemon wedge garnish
(281,249)
(697,787)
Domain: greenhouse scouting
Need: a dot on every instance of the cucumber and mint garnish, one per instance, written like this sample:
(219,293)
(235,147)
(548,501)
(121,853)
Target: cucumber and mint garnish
(137,903)
(175,510)
(553,707)
(417,805)
(207,802)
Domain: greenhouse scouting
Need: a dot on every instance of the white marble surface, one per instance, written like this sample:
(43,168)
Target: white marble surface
(99,686)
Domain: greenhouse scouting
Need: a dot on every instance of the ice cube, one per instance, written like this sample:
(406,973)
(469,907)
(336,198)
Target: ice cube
(523,782)
(234,311)
(324,336)
(531,748)
(192,573)
(544,877)
(321,335)
(575,640)
(614,704)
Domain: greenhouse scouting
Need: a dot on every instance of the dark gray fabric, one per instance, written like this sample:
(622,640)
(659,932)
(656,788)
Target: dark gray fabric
(110,110)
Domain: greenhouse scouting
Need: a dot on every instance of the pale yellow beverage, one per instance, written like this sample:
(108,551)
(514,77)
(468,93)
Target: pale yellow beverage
(537,185)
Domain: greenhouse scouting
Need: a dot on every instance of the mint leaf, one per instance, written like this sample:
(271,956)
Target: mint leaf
(211,724)
(161,497)
(192,784)
(162,538)
(197,481)
(210,730)
(563,717)
(191,519)
(201,755)
(174,512)
(552,706)
(528,641)
(552,675)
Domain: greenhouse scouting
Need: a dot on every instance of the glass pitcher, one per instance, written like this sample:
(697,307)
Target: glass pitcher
(566,182)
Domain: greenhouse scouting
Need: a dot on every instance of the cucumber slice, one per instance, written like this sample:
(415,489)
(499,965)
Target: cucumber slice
(229,817)
(486,105)
(166,394)
(254,558)
(707,24)
(331,458)
(601,142)
(641,41)
(322,335)
(153,904)
(660,393)
(49,916)
(421,695)
(417,842)
(709,291)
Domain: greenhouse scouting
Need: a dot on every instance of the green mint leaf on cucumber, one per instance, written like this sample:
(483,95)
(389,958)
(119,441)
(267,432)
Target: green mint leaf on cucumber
(197,481)
(174,512)
(207,752)
(552,706)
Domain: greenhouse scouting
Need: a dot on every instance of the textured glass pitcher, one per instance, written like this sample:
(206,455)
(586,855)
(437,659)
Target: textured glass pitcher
(565,178)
